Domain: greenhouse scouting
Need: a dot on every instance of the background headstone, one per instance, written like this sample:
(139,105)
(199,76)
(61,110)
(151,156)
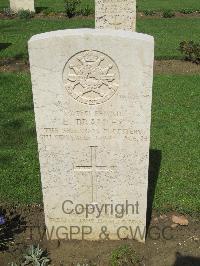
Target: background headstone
(115,14)
(93,111)
(17,5)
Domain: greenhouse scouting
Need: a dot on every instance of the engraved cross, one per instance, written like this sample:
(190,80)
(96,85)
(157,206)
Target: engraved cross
(93,168)
(115,23)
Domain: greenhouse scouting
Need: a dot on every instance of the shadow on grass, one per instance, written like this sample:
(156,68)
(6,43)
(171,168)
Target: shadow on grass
(155,157)
(21,56)
(26,108)
(11,224)
(40,9)
(14,124)
(186,260)
(15,134)
(5,160)
(4,46)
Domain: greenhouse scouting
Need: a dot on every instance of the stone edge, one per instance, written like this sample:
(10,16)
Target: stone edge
(94,32)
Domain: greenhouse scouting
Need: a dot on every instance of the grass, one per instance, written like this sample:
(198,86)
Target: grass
(175,132)
(124,255)
(20,179)
(168,33)
(175,113)
(160,5)
(18,32)
(56,5)
(157,5)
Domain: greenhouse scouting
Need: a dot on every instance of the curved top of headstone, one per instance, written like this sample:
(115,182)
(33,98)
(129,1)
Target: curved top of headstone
(103,32)
(92,93)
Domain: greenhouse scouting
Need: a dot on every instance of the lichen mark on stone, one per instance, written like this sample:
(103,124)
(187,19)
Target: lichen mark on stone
(91,77)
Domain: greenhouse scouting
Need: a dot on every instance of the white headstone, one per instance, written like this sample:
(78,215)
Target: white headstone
(93,111)
(115,14)
(17,5)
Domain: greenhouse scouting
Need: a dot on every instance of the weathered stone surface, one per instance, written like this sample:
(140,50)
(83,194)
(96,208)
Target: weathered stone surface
(115,14)
(17,5)
(93,110)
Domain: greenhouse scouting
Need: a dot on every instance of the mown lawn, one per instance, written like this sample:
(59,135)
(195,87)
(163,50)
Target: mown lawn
(160,5)
(157,5)
(56,5)
(19,175)
(175,133)
(17,32)
(168,33)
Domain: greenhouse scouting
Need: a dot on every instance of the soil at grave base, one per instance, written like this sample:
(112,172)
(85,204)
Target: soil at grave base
(13,65)
(160,66)
(176,67)
(139,15)
(52,15)
(182,249)
(176,15)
